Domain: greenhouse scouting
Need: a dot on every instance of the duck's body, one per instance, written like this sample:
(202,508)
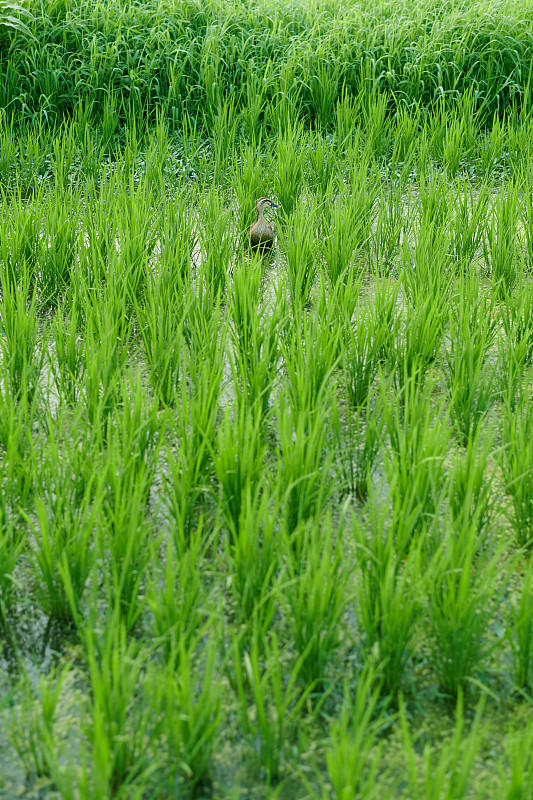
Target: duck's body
(262,233)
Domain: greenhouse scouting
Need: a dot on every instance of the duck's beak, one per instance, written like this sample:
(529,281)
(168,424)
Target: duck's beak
(274,205)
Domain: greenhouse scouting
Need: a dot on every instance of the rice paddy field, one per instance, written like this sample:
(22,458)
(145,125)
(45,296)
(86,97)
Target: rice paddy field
(266,520)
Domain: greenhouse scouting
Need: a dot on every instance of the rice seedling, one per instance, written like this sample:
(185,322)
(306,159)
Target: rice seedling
(238,462)
(470,375)
(354,752)
(22,352)
(30,724)
(297,244)
(414,460)
(303,482)
(358,441)
(190,703)
(450,772)
(271,722)
(315,598)
(63,554)
(119,718)
(515,461)
(68,361)
(517,773)
(310,354)
(501,244)
(469,210)
(254,333)
(520,634)
(460,590)
(254,560)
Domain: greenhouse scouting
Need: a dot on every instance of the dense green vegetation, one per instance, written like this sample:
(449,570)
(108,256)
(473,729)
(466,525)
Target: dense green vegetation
(266,523)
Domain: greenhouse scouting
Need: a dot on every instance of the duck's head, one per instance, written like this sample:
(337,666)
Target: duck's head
(263,203)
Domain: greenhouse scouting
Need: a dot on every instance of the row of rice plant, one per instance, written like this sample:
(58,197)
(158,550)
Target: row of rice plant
(109,61)
(277,512)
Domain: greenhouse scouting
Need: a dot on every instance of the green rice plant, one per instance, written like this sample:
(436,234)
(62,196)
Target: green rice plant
(160,324)
(315,598)
(12,545)
(388,614)
(251,179)
(30,725)
(63,157)
(8,150)
(462,584)
(238,461)
(18,451)
(517,772)
(471,494)
(386,314)
(323,162)
(189,697)
(20,238)
(448,142)
(304,484)
(346,114)
(323,84)
(449,773)
(434,197)
(253,332)
(491,148)
(354,752)
(68,359)
(62,553)
(106,333)
(297,244)
(98,221)
(390,225)
(254,557)
(363,342)
(526,217)
(135,242)
(515,344)
(517,319)
(119,717)
(468,212)
(131,460)
(217,242)
(32,159)
(388,604)
(224,133)
(417,341)
(156,157)
(254,105)
(501,244)
(194,434)
(376,124)
(178,239)
(407,126)
(414,461)
(22,352)
(290,168)
(516,462)
(469,376)
(343,221)
(358,440)
(520,633)
(177,597)
(310,353)
(270,721)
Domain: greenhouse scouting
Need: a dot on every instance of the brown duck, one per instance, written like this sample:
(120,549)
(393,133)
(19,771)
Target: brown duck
(262,233)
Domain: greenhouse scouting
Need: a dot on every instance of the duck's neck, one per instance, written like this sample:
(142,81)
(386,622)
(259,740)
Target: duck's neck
(260,217)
